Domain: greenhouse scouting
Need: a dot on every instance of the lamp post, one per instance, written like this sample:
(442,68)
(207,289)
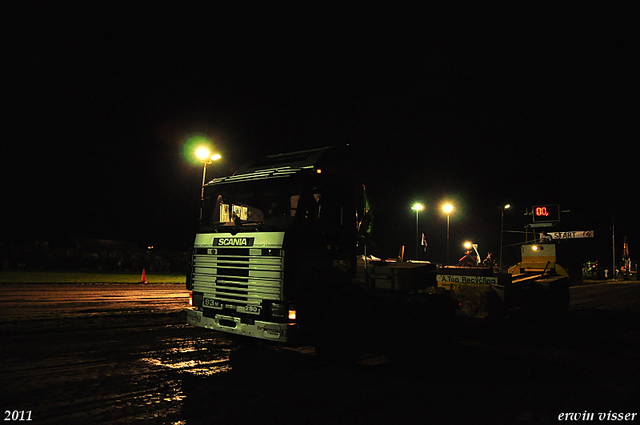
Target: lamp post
(506,207)
(448,208)
(417,207)
(204,155)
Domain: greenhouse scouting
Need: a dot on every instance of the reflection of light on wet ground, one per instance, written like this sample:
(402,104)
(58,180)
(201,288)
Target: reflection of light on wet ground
(183,350)
(81,300)
(105,353)
(195,367)
(197,357)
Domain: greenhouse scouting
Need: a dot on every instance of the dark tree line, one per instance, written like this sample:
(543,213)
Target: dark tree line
(88,255)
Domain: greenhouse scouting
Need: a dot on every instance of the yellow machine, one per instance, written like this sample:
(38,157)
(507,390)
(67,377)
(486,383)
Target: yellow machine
(537,260)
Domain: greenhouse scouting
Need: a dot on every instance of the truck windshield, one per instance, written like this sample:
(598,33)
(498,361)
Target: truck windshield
(272,203)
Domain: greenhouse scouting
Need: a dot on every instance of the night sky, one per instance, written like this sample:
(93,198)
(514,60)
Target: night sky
(480,104)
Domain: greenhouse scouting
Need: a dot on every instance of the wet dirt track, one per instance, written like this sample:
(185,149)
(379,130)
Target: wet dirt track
(109,354)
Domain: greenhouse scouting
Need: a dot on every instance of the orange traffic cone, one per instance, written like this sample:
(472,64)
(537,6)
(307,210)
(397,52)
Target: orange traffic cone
(143,279)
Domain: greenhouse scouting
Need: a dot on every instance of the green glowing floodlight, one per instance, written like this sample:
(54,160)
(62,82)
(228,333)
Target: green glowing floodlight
(203,153)
(194,145)
(417,207)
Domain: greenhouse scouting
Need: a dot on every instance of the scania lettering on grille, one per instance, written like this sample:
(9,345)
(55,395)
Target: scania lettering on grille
(233,241)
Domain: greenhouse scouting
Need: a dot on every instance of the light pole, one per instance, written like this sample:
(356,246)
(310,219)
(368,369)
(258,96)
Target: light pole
(204,154)
(417,207)
(448,208)
(506,207)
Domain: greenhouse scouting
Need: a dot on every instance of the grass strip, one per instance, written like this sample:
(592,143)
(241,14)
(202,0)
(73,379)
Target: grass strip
(87,277)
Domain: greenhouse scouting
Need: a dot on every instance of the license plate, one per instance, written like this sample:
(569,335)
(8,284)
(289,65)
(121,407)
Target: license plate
(211,303)
(251,309)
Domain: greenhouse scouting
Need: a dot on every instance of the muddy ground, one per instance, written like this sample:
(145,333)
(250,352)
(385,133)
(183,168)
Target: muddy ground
(108,354)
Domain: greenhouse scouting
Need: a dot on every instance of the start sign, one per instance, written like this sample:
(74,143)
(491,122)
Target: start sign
(546,213)
(578,234)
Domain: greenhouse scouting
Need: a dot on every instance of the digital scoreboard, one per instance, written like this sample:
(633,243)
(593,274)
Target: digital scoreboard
(546,213)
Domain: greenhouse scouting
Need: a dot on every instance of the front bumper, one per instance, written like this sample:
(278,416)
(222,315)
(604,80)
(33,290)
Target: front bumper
(281,332)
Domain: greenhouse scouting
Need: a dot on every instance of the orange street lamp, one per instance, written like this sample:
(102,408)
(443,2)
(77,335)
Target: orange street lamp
(506,207)
(417,207)
(204,155)
(447,209)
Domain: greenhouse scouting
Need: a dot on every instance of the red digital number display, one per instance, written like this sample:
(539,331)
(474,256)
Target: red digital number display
(546,213)
(542,212)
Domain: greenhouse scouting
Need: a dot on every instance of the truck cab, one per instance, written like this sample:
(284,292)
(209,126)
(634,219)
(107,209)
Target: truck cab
(276,242)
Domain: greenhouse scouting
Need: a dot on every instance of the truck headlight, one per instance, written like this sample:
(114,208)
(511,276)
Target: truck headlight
(283,310)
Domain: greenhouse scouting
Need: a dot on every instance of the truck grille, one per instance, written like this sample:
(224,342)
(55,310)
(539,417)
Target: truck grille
(238,276)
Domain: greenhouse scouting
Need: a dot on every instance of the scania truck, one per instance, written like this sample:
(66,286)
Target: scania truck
(280,256)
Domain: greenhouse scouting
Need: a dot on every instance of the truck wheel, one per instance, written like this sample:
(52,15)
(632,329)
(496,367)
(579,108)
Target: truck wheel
(346,330)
